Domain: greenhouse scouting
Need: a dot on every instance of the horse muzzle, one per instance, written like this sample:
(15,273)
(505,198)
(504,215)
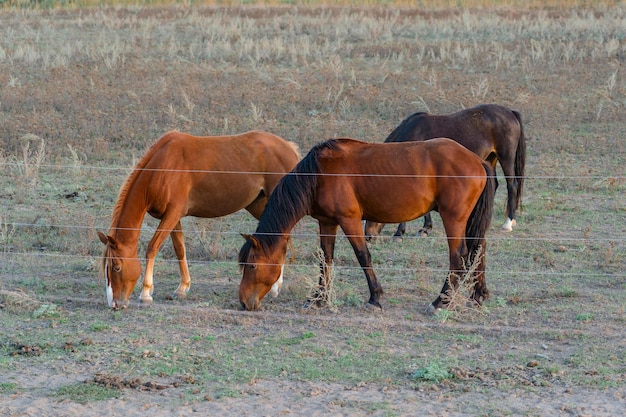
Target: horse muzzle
(118,305)
(251,304)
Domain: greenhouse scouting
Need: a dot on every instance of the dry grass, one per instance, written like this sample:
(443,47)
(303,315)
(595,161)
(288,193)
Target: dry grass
(18,301)
(316,296)
(460,305)
(99,85)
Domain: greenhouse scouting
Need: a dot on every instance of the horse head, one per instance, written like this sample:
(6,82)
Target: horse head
(120,269)
(262,269)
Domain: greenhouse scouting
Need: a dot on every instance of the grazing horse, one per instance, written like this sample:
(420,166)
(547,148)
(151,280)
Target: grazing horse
(184,175)
(343,181)
(492,132)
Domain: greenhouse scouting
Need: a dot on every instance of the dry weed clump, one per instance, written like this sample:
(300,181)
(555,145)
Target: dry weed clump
(31,160)
(18,301)
(317,296)
(460,305)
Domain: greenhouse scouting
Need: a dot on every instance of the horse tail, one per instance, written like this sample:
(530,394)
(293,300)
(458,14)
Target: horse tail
(520,160)
(480,219)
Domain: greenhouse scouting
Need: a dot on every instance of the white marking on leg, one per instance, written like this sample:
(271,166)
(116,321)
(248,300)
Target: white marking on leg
(508,225)
(278,284)
(109,289)
(148,284)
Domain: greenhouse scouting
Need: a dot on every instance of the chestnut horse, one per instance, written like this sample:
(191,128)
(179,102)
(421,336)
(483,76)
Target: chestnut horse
(492,132)
(184,175)
(342,181)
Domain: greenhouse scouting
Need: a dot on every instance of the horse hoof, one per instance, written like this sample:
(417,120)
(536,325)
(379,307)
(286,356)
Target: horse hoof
(310,304)
(179,296)
(373,306)
(145,301)
(431,310)
(422,233)
(397,239)
(508,225)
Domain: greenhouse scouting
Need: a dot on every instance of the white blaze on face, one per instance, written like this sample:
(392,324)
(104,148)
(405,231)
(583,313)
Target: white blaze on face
(278,284)
(109,289)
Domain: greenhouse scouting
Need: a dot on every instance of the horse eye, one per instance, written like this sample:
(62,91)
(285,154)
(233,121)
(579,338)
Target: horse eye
(253,266)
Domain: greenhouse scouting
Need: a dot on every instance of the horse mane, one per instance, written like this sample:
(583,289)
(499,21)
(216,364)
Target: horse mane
(404,128)
(290,201)
(132,177)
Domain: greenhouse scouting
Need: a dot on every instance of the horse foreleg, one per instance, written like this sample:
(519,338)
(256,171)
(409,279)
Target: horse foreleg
(357,240)
(164,229)
(328,236)
(179,247)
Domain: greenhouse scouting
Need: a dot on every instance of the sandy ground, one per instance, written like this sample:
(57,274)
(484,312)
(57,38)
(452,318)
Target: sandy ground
(275,398)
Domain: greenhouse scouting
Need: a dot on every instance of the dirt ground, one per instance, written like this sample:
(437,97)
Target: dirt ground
(97,86)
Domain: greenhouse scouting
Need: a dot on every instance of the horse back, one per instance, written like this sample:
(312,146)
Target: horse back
(396,182)
(210,176)
(483,129)
(251,151)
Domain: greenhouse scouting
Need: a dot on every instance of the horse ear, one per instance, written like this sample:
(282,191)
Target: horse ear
(102,237)
(253,240)
(107,240)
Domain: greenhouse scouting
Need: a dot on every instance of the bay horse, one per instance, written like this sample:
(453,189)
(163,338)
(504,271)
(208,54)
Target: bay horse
(183,175)
(494,133)
(343,181)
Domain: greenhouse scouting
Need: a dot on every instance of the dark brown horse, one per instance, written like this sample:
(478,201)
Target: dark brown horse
(492,132)
(342,181)
(184,175)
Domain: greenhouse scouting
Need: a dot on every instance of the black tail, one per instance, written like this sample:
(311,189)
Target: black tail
(520,160)
(480,219)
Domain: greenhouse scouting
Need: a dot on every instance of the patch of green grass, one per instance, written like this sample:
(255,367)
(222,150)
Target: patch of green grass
(8,387)
(352,299)
(567,292)
(84,393)
(469,338)
(47,311)
(584,317)
(443,315)
(99,327)
(432,372)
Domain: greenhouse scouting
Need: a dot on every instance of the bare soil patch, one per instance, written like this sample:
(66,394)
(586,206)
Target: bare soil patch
(83,92)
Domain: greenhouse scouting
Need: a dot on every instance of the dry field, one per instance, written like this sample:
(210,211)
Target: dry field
(84,92)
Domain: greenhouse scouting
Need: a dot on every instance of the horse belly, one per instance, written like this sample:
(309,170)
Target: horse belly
(218,198)
(390,204)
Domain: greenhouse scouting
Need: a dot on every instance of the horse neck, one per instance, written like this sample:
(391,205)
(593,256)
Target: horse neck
(127,221)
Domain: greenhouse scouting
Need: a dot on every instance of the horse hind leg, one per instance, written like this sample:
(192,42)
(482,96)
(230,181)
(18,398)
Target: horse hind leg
(179,247)
(511,190)
(401,230)
(427,227)
(480,293)
(457,249)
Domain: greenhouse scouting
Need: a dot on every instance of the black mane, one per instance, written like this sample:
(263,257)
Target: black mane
(290,201)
